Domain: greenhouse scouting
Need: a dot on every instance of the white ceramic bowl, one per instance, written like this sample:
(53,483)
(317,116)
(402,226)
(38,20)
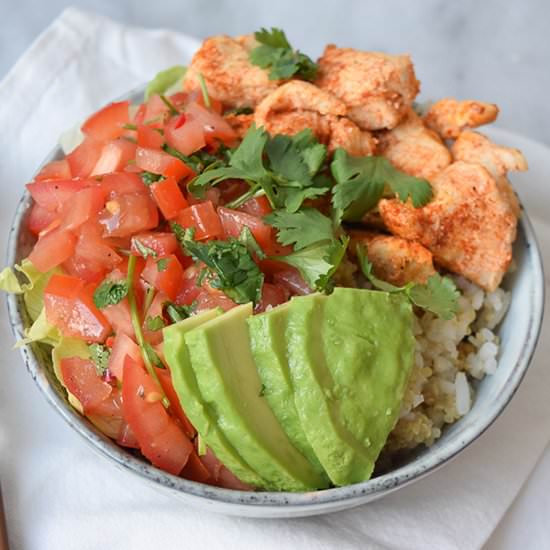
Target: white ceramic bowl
(518,332)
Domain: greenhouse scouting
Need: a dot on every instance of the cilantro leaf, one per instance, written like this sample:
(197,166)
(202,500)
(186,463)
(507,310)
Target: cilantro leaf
(439,295)
(360,184)
(164,80)
(230,265)
(301,229)
(162,264)
(149,178)
(110,293)
(152,355)
(154,323)
(200,160)
(318,263)
(100,354)
(179,313)
(276,53)
(247,238)
(144,250)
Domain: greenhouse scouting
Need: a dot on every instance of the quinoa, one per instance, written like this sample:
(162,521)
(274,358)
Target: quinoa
(449,356)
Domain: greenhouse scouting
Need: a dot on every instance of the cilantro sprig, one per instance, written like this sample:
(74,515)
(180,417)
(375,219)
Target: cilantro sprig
(439,295)
(230,266)
(100,354)
(276,54)
(110,293)
(361,182)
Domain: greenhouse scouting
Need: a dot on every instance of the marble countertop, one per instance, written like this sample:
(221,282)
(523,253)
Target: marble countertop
(496,50)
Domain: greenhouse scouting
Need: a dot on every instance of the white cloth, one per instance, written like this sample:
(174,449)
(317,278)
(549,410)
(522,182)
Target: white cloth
(59,495)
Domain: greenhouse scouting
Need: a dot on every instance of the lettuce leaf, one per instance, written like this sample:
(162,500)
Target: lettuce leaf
(164,80)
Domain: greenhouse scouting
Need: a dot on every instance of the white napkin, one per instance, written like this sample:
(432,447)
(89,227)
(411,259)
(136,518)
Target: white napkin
(59,494)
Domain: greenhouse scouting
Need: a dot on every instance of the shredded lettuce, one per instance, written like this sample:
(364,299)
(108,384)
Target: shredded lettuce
(165,80)
(40,331)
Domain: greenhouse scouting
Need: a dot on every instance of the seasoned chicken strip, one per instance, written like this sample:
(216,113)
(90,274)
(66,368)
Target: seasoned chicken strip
(448,117)
(377,88)
(239,123)
(468,226)
(415,149)
(297,105)
(476,148)
(228,73)
(395,260)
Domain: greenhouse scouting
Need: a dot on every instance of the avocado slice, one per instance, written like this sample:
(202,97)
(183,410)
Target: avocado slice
(191,399)
(350,355)
(228,380)
(268,346)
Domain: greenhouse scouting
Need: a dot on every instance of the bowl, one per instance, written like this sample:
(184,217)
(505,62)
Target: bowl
(518,331)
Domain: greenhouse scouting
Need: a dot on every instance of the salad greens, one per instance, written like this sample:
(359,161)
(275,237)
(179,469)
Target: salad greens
(164,80)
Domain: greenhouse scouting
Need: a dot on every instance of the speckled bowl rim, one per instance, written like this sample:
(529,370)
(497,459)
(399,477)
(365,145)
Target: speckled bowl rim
(274,504)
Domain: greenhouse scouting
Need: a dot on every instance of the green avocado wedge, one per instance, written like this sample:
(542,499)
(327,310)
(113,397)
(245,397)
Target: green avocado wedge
(350,356)
(228,380)
(191,399)
(268,345)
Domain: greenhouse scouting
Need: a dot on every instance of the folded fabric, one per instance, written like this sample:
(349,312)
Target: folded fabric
(59,494)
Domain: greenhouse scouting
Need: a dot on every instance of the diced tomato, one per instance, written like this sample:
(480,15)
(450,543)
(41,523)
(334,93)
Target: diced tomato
(231,190)
(204,219)
(52,249)
(119,317)
(257,206)
(185,134)
(196,96)
(220,475)
(83,205)
(272,295)
(233,222)
(212,299)
(127,438)
(292,281)
(115,155)
(40,218)
(195,470)
(107,416)
(155,111)
(165,379)
(160,439)
(163,244)
(70,307)
(154,337)
(81,379)
(123,183)
(128,214)
(55,170)
(159,162)
(169,197)
(165,275)
(139,115)
(149,137)
(189,289)
(53,194)
(122,346)
(84,157)
(107,123)
(214,126)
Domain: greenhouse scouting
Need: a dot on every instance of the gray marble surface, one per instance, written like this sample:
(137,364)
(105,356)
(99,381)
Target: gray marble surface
(492,50)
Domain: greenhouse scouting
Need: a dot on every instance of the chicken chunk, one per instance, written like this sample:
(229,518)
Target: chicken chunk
(415,149)
(476,148)
(240,123)
(298,105)
(377,88)
(448,117)
(395,260)
(228,73)
(468,226)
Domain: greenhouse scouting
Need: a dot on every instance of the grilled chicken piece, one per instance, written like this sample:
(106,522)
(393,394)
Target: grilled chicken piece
(476,148)
(469,226)
(228,73)
(395,260)
(415,149)
(448,117)
(377,88)
(298,105)
(239,123)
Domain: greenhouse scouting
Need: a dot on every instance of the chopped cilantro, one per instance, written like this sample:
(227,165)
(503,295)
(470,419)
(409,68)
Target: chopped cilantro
(110,293)
(200,160)
(179,313)
(204,90)
(153,357)
(230,265)
(276,54)
(171,107)
(247,238)
(162,264)
(154,323)
(149,178)
(301,229)
(144,250)
(100,354)
(239,111)
(439,295)
(360,184)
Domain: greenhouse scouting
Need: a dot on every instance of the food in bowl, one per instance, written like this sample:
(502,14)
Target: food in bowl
(273,274)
